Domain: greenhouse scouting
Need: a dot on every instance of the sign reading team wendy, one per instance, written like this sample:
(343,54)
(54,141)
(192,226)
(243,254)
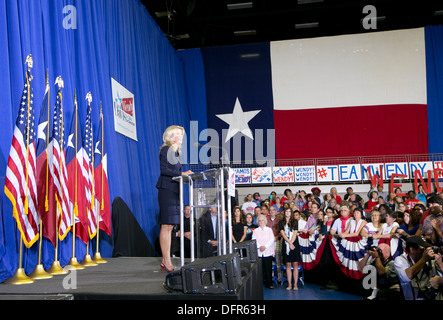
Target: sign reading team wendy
(124,111)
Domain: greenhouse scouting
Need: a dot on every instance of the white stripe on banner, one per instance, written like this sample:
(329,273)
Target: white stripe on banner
(377,68)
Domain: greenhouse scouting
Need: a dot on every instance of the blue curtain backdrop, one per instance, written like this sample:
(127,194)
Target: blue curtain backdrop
(115,39)
(434,74)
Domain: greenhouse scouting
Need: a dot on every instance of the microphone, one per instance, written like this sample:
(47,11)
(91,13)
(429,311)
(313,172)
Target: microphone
(198,145)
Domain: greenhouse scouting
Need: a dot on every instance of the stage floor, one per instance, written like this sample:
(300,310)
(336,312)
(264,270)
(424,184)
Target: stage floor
(120,278)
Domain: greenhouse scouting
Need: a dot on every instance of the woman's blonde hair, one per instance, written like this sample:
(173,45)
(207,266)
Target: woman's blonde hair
(168,136)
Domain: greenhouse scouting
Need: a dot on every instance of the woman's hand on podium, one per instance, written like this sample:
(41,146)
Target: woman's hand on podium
(187,173)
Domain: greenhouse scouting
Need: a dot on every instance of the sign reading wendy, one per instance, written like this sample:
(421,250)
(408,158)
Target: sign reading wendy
(124,111)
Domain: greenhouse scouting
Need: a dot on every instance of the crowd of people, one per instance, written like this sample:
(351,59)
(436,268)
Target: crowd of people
(414,218)
(277,222)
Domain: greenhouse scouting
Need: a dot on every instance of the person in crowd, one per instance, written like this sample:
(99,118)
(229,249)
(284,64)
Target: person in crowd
(389,228)
(411,224)
(421,194)
(257,212)
(416,267)
(311,223)
(316,193)
(300,221)
(265,240)
(387,280)
(326,223)
(250,226)
(326,200)
(380,192)
(286,194)
(373,201)
(290,247)
(384,210)
(372,227)
(307,209)
(273,223)
(354,200)
(239,228)
(350,191)
(402,207)
(175,248)
(432,229)
(277,205)
(411,200)
(265,209)
(272,198)
(355,225)
(341,224)
(248,206)
(333,204)
(335,195)
(168,190)
(391,201)
(301,200)
(208,233)
(256,199)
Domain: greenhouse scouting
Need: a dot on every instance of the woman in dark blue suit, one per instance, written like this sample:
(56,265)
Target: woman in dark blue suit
(168,190)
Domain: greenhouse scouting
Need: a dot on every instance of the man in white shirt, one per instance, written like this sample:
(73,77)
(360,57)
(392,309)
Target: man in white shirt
(340,224)
(249,205)
(416,267)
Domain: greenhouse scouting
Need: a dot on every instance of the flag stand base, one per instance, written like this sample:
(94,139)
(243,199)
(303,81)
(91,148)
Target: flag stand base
(57,269)
(19,277)
(74,265)
(98,258)
(40,273)
(88,262)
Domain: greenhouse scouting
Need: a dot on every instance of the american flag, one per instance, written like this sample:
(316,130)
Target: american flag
(88,165)
(20,183)
(58,167)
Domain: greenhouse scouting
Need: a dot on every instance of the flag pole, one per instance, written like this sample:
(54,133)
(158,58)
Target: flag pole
(39,271)
(20,276)
(97,257)
(73,263)
(87,260)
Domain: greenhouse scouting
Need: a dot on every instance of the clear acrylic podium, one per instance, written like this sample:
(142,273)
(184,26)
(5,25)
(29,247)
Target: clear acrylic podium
(206,191)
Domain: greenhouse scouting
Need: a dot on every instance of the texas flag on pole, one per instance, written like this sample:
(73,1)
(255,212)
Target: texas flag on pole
(77,175)
(101,180)
(342,96)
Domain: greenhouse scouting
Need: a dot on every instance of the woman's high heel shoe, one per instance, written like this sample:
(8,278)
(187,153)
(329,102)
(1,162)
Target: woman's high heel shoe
(163,267)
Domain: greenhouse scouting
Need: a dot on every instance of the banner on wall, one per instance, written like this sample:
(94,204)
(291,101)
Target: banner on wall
(124,111)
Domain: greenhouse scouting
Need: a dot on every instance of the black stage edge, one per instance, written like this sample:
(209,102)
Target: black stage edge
(125,279)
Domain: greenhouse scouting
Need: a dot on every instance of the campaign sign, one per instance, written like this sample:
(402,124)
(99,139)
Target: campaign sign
(304,174)
(423,167)
(242,176)
(283,174)
(327,173)
(400,168)
(349,172)
(375,169)
(262,175)
(438,165)
(124,111)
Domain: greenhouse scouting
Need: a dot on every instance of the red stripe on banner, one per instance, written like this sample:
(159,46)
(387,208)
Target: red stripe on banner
(318,255)
(351,131)
(353,274)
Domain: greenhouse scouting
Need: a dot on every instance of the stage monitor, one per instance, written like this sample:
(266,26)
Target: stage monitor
(221,274)
(247,250)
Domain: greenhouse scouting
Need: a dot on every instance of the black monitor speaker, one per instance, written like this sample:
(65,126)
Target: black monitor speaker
(247,250)
(214,275)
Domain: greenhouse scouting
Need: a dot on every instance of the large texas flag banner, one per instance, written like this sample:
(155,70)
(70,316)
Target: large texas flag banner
(341,96)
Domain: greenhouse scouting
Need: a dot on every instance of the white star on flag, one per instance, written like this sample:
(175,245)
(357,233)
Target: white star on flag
(238,121)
